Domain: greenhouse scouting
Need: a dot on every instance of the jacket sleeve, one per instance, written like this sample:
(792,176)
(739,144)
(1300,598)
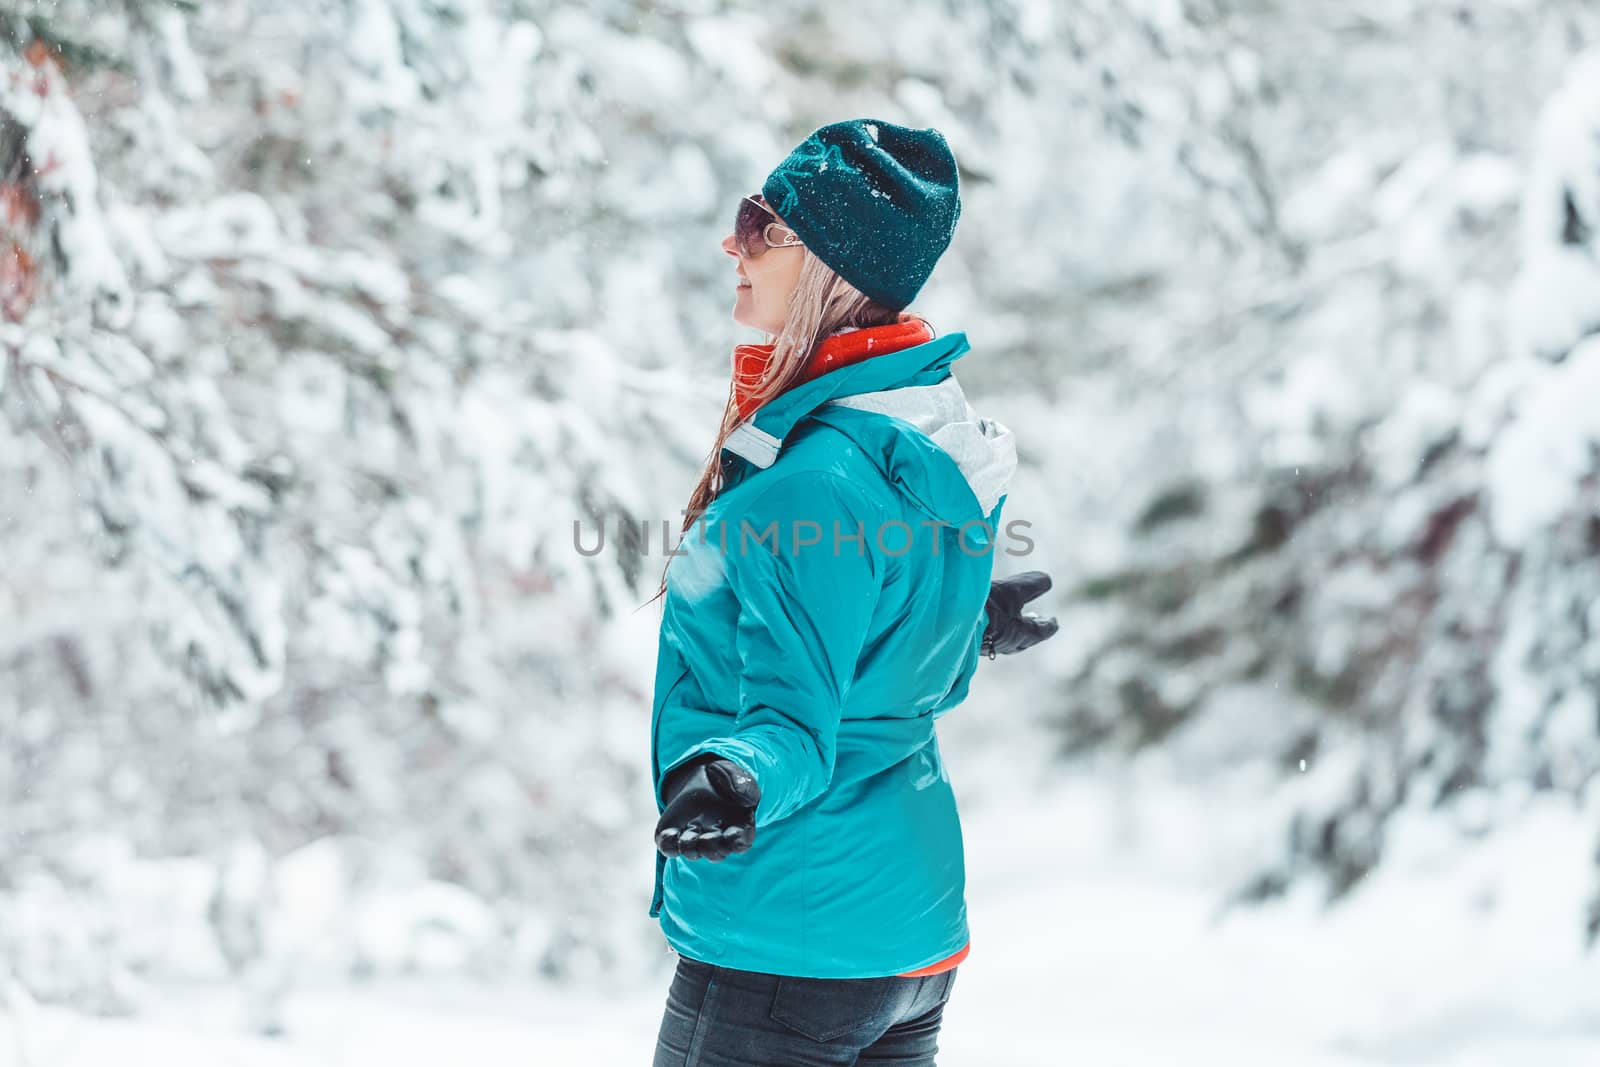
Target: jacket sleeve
(974,649)
(963,682)
(804,615)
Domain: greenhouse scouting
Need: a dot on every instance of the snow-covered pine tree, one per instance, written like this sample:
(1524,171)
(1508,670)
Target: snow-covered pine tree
(1389,595)
(307,381)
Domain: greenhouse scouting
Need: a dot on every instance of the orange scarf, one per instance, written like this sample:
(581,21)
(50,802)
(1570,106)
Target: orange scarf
(840,350)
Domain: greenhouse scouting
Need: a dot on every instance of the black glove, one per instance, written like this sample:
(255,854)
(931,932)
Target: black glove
(710,812)
(1010,628)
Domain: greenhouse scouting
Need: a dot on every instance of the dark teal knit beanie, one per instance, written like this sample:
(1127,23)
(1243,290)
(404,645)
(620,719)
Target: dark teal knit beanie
(876,202)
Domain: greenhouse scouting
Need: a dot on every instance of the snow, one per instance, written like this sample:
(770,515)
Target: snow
(185,73)
(731,45)
(1566,155)
(57,141)
(1535,464)
(1486,182)
(1554,299)
(375,50)
(1424,415)
(1332,198)
(1097,938)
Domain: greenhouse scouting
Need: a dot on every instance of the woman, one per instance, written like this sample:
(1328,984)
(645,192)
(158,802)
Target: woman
(831,605)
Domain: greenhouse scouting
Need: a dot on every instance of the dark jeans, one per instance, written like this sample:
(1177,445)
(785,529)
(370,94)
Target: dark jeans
(721,1017)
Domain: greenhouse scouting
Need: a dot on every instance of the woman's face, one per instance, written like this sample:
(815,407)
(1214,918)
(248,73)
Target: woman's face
(764,303)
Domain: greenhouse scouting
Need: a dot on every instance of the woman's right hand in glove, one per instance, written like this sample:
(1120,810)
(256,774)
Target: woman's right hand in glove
(1011,629)
(710,810)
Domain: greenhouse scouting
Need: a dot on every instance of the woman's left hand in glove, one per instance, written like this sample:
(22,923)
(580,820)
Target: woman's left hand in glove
(710,810)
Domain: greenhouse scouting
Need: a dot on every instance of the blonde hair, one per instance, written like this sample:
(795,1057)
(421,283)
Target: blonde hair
(823,304)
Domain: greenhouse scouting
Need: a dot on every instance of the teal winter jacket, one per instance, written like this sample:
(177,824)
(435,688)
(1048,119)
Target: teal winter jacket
(824,612)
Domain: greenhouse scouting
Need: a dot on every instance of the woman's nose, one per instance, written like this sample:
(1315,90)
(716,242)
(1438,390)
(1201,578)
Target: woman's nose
(730,247)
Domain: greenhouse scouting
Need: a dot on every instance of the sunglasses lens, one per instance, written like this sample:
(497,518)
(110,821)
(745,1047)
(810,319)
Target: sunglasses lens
(747,227)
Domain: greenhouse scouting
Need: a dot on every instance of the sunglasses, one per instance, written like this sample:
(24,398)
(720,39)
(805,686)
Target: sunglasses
(753,225)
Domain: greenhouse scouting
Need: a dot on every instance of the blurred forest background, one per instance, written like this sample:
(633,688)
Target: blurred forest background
(324,322)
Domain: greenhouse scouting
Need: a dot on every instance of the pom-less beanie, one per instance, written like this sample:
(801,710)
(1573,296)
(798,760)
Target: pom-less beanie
(876,202)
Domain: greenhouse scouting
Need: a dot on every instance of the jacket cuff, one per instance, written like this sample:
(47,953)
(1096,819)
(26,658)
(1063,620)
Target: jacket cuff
(673,780)
(704,752)
(733,751)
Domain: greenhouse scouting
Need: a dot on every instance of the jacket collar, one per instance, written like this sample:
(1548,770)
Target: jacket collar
(760,438)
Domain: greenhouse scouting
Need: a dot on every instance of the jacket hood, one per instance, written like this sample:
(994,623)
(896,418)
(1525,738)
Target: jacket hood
(985,450)
(955,464)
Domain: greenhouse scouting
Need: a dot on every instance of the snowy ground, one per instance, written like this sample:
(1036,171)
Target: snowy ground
(1105,947)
